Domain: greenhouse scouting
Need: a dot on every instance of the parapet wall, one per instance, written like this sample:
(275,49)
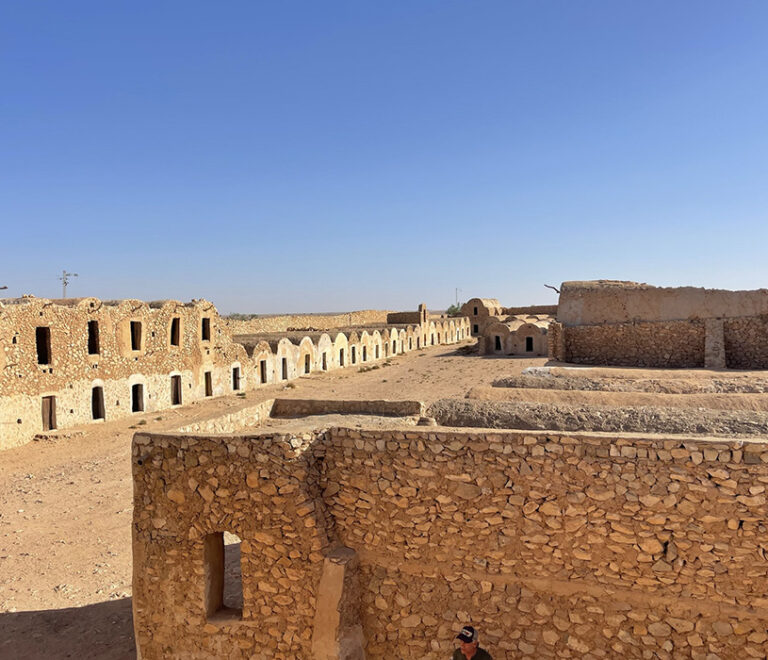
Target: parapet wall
(285,322)
(554,545)
(605,301)
(530,309)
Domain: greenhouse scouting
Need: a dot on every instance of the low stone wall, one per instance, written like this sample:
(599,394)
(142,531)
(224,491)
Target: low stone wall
(530,309)
(671,344)
(552,544)
(284,322)
(232,422)
(746,343)
(305,407)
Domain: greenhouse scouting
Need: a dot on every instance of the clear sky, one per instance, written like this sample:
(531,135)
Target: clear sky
(318,156)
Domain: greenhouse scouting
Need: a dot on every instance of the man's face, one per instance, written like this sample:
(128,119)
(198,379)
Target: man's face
(468,648)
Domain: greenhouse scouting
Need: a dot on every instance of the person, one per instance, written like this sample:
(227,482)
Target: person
(469,648)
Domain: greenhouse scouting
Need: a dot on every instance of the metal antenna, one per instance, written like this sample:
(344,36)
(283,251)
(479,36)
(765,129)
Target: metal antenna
(457,296)
(64,281)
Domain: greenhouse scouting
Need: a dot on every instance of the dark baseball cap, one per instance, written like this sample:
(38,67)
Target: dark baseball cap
(468,634)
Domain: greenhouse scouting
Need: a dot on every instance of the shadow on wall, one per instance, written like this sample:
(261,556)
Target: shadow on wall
(103,630)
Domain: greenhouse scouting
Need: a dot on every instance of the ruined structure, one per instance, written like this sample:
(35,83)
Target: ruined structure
(524,334)
(630,324)
(376,541)
(76,361)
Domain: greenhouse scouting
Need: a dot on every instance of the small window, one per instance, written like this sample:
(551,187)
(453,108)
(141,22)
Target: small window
(49,413)
(223,576)
(135,335)
(205,331)
(175,390)
(263,371)
(529,344)
(97,403)
(43,340)
(475,328)
(498,343)
(341,357)
(175,331)
(285,368)
(235,378)
(325,361)
(306,363)
(93,337)
(137,398)
(208,383)
(475,312)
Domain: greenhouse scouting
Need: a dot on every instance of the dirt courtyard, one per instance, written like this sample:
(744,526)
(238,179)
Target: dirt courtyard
(66,505)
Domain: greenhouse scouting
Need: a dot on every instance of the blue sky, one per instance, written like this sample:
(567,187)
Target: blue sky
(319,156)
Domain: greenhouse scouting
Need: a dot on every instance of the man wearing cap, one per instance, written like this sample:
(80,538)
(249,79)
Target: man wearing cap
(470,647)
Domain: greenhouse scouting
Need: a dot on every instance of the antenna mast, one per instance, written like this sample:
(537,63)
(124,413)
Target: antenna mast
(64,281)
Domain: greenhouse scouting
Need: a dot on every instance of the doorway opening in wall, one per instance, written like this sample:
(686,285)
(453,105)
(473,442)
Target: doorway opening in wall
(223,576)
(49,413)
(175,331)
(208,376)
(175,390)
(137,398)
(306,363)
(325,361)
(97,403)
(497,345)
(284,364)
(432,338)
(438,337)
(135,335)
(529,344)
(365,354)
(43,341)
(341,357)
(376,352)
(235,378)
(475,328)
(354,355)
(93,337)
(263,371)
(205,329)
(418,342)
(394,348)
(410,343)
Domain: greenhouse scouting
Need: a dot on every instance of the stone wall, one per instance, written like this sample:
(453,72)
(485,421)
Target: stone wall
(671,344)
(285,322)
(530,309)
(305,407)
(746,342)
(605,301)
(552,544)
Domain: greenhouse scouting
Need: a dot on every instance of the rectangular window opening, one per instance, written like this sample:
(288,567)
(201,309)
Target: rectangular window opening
(223,576)
(208,383)
(175,390)
(175,331)
(235,378)
(93,337)
(475,311)
(43,341)
(475,328)
(97,403)
(135,335)
(376,352)
(529,344)
(263,371)
(49,413)
(284,364)
(341,357)
(205,333)
(137,398)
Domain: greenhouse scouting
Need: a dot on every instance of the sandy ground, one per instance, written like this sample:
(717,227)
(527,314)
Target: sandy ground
(66,505)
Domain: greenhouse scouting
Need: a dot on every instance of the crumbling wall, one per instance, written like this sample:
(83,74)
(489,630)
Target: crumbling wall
(552,544)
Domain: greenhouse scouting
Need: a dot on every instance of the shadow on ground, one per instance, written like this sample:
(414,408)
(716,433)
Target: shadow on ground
(103,630)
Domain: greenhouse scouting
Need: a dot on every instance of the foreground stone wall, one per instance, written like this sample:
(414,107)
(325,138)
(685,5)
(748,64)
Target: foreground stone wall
(746,342)
(554,545)
(285,322)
